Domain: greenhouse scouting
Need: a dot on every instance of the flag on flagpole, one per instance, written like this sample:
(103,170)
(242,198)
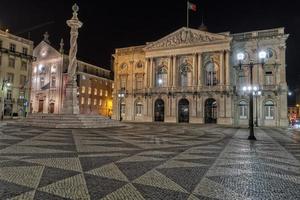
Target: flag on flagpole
(192,6)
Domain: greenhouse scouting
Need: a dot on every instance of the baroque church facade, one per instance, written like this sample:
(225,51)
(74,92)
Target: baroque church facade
(192,76)
(49,77)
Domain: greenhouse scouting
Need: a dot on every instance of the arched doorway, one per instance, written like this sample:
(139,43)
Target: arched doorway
(51,108)
(183,111)
(159,110)
(210,111)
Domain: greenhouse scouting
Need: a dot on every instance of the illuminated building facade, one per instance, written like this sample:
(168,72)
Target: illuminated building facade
(191,76)
(49,78)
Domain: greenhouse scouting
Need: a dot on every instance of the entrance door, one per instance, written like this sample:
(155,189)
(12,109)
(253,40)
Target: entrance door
(159,110)
(183,111)
(211,111)
(51,108)
(41,106)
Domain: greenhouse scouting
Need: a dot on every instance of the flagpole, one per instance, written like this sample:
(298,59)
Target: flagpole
(187,14)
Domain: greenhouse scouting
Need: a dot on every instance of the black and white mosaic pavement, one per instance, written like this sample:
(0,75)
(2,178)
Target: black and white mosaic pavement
(148,161)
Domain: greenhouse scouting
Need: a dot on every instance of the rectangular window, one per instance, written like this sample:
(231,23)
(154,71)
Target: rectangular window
(82,89)
(22,80)
(89,90)
(23,65)
(95,102)
(100,93)
(53,81)
(123,108)
(95,91)
(9,94)
(106,93)
(12,47)
(112,86)
(89,101)
(10,78)
(100,102)
(106,83)
(25,50)
(269,78)
(42,82)
(123,82)
(1,43)
(139,82)
(11,62)
(138,109)
(82,100)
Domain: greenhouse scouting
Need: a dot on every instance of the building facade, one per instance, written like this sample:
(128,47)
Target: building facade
(193,76)
(15,70)
(49,78)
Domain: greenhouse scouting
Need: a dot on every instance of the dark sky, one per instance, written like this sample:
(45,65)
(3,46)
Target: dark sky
(111,24)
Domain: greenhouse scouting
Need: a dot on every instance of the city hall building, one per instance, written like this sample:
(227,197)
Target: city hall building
(193,76)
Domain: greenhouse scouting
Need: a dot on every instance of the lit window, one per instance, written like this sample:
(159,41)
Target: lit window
(243,110)
(42,82)
(185,75)
(105,82)
(90,90)
(82,89)
(162,77)
(95,102)
(106,93)
(11,62)
(112,86)
(269,110)
(100,102)
(53,69)
(53,81)
(82,100)
(138,109)
(269,78)
(95,91)
(100,92)
(89,101)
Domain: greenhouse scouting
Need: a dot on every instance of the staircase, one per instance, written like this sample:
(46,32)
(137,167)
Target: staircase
(67,121)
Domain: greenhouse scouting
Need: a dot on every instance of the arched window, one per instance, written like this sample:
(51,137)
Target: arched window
(161,77)
(138,108)
(243,110)
(269,110)
(185,75)
(211,77)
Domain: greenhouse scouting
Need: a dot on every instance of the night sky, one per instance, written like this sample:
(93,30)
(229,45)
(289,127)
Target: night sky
(112,24)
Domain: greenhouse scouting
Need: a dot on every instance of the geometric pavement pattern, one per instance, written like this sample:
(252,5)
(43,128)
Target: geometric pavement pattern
(148,161)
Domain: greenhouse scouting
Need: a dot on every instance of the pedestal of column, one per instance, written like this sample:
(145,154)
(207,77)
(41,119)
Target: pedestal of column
(70,105)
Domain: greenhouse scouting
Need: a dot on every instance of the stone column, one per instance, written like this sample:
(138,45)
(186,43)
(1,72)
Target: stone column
(195,68)
(282,67)
(170,71)
(227,61)
(151,73)
(174,71)
(222,68)
(200,70)
(146,75)
(70,99)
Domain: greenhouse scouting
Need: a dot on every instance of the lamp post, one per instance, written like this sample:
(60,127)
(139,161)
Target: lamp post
(256,93)
(4,84)
(240,57)
(121,96)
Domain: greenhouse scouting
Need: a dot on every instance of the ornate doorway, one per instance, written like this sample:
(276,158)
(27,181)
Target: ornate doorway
(159,110)
(51,108)
(183,111)
(41,106)
(210,111)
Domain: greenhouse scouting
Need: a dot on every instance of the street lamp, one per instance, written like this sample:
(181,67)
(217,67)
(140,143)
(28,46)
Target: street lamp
(256,93)
(121,95)
(240,57)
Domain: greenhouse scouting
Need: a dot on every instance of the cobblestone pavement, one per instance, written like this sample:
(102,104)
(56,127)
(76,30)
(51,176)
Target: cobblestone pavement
(149,161)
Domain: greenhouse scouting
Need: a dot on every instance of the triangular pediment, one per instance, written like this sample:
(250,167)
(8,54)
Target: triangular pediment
(187,37)
(44,51)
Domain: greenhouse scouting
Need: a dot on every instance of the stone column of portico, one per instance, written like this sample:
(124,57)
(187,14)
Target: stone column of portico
(172,101)
(200,105)
(195,69)
(170,74)
(174,70)
(222,99)
(283,96)
(146,74)
(70,104)
(151,73)
(228,99)
(193,104)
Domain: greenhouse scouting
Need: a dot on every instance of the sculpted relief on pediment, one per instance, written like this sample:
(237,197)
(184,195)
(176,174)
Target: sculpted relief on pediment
(185,37)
